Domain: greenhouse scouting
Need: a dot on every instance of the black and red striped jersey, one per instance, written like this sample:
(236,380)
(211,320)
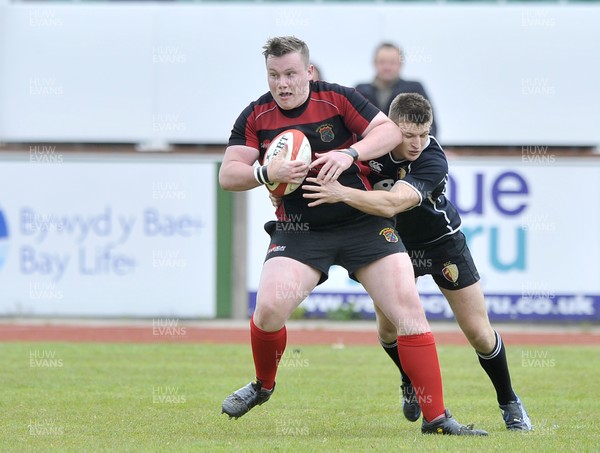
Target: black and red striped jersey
(333,117)
(435,216)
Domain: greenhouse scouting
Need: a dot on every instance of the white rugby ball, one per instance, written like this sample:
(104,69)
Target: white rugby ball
(298,149)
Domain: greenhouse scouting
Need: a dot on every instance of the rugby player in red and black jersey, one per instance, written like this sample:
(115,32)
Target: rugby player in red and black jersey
(300,255)
(413,177)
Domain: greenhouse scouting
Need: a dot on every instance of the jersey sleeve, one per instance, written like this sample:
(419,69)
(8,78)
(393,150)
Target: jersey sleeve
(244,129)
(358,112)
(427,172)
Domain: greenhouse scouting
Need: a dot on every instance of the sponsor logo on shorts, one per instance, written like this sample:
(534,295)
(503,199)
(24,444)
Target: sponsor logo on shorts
(450,272)
(326,132)
(276,248)
(389,234)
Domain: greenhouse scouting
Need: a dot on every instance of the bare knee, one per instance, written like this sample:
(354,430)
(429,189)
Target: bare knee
(268,316)
(482,339)
(387,331)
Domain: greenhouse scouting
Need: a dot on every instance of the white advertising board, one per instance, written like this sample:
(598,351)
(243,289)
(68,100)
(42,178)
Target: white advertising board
(532,225)
(107,237)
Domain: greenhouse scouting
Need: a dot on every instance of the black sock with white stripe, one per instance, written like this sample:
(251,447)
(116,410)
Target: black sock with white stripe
(391,349)
(496,367)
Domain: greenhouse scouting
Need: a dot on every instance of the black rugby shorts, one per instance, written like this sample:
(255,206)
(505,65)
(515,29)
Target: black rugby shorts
(448,260)
(351,245)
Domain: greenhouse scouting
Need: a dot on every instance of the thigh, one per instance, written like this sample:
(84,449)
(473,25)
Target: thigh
(390,283)
(451,263)
(365,241)
(284,284)
(313,248)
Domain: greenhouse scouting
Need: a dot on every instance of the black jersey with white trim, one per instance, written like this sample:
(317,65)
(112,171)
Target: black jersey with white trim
(435,216)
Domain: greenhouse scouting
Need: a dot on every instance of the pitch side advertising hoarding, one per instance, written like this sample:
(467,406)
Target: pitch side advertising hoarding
(106,238)
(532,226)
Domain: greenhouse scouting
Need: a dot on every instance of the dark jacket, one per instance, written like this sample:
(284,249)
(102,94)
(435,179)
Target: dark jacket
(369,90)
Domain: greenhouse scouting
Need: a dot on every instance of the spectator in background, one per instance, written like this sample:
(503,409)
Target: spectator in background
(388,83)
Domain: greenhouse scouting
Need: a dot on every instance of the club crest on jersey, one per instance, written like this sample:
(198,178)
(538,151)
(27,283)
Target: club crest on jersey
(326,132)
(450,272)
(376,166)
(389,234)
(401,173)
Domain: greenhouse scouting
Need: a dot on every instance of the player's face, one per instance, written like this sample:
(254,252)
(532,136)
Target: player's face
(414,138)
(289,80)
(387,64)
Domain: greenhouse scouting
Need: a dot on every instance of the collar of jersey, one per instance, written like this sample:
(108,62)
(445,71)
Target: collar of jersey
(297,111)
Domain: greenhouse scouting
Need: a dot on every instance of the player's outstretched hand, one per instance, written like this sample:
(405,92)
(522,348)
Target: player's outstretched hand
(330,192)
(332,165)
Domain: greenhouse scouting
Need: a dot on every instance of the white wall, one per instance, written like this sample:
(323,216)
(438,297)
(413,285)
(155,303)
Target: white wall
(497,74)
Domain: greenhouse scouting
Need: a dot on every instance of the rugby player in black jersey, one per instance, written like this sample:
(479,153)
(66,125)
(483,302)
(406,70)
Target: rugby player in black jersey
(413,177)
(305,241)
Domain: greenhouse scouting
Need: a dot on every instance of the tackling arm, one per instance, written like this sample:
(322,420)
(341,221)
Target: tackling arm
(375,202)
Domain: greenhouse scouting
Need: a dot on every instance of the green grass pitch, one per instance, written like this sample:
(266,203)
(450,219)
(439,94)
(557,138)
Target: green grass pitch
(167,397)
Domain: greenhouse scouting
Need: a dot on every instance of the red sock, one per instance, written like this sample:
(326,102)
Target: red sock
(419,359)
(267,350)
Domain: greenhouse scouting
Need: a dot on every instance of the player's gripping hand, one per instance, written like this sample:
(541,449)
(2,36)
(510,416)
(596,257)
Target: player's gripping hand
(286,171)
(332,165)
(321,192)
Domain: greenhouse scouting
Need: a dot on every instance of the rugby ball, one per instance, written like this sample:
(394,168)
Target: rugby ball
(298,149)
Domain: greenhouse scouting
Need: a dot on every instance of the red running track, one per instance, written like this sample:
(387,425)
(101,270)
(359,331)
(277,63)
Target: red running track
(237,335)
